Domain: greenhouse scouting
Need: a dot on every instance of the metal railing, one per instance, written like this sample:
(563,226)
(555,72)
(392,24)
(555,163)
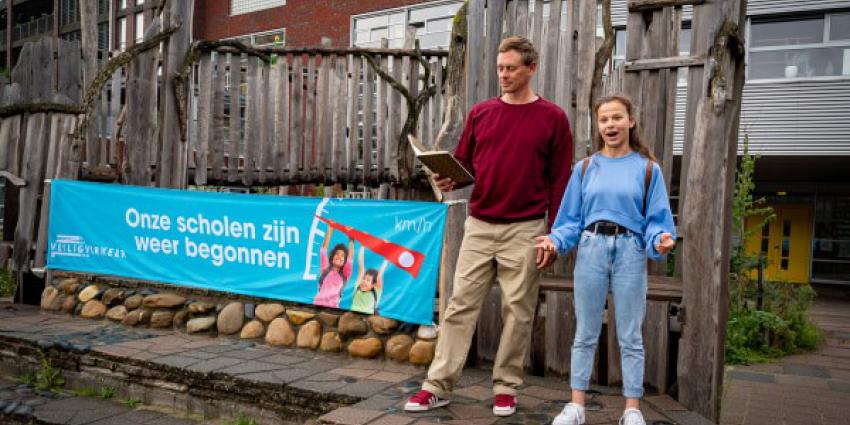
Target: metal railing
(33,28)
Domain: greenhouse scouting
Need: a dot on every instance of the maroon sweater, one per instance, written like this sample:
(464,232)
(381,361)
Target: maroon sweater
(521,156)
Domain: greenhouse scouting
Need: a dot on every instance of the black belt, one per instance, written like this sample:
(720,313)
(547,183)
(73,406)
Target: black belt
(607,228)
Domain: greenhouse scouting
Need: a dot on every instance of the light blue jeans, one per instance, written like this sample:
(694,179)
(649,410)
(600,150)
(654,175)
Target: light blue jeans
(618,262)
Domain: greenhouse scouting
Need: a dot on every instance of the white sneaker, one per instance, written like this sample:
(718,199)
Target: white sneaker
(573,414)
(632,417)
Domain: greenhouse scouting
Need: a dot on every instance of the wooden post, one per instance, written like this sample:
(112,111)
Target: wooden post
(88,26)
(718,32)
(171,166)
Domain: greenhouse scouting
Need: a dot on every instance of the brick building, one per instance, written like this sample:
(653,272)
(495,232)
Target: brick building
(302,23)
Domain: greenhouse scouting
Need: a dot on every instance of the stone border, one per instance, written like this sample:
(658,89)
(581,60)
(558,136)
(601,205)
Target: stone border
(139,304)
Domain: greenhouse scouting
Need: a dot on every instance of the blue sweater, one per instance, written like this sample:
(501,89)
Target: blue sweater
(612,190)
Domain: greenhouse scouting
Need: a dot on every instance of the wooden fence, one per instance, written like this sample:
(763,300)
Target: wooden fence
(325,116)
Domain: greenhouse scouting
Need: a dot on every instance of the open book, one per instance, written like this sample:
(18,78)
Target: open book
(441,162)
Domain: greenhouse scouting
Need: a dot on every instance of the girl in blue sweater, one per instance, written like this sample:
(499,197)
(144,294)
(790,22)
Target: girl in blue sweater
(616,211)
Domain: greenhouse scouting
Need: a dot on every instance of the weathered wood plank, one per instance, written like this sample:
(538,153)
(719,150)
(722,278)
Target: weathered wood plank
(310,169)
(585,55)
(614,369)
(549,67)
(142,130)
(205,76)
(535,34)
(521,25)
(340,90)
(282,118)
(234,116)
(656,340)
(218,128)
(88,38)
(323,119)
(439,98)
(10,148)
(662,63)
(647,5)
(560,331)
(368,145)
(115,108)
(32,170)
(475,19)
(395,121)
(63,163)
(296,138)
(265,124)
(381,108)
(495,16)
(708,205)
(252,130)
(171,167)
(353,90)
(455,217)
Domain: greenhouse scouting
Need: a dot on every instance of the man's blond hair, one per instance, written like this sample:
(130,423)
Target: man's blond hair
(521,45)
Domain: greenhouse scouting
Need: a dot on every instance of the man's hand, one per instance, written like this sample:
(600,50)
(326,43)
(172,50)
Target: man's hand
(665,244)
(546,254)
(445,184)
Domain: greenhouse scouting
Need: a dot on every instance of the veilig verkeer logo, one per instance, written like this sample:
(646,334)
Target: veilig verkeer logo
(76,246)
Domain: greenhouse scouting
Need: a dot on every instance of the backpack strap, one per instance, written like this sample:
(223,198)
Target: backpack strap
(646,180)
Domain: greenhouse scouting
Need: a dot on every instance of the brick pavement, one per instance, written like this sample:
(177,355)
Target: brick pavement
(804,389)
(214,378)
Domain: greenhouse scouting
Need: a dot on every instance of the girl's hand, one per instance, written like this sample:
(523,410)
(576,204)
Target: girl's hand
(665,244)
(546,254)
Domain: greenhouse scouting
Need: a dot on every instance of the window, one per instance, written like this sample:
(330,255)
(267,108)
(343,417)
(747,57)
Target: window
(140,27)
(814,46)
(619,55)
(238,7)
(122,33)
(265,38)
(433,25)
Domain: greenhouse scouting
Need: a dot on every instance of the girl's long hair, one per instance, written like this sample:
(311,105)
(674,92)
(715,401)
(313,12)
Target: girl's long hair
(337,247)
(635,141)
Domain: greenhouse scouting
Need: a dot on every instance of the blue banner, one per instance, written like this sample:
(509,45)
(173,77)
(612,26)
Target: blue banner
(374,257)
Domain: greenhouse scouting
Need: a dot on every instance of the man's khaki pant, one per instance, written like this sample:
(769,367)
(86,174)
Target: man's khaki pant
(505,252)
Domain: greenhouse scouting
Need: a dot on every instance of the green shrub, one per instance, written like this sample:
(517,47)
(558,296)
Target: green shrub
(7,283)
(781,327)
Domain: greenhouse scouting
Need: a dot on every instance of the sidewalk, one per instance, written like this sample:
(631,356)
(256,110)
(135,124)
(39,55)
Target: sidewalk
(212,378)
(806,389)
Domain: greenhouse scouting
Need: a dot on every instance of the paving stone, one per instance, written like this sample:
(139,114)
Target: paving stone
(351,416)
(177,361)
(390,376)
(475,392)
(841,386)
(363,388)
(213,364)
(250,367)
(392,420)
(806,370)
(742,375)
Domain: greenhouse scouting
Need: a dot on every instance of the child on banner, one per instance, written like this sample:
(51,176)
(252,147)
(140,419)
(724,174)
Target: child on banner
(369,286)
(336,269)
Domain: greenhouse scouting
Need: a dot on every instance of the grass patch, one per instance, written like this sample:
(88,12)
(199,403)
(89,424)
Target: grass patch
(132,402)
(242,420)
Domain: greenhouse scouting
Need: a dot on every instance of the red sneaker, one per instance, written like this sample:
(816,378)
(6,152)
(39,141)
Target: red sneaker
(504,405)
(424,400)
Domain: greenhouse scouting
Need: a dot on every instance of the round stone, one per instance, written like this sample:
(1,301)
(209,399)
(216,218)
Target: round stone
(117,313)
(69,305)
(133,302)
(331,342)
(268,312)
(231,318)
(163,301)
(253,329)
(201,307)
(310,335)
(351,324)
(299,317)
(200,324)
(50,299)
(398,347)
(422,352)
(367,348)
(382,325)
(113,296)
(329,319)
(70,285)
(93,309)
(280,332)
(162,319)
(180,318)
(88,293)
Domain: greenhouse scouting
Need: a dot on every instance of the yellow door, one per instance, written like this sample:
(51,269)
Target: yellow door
(786,243)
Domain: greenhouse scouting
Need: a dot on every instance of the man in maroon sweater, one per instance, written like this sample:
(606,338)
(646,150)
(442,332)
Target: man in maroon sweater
(519,147)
